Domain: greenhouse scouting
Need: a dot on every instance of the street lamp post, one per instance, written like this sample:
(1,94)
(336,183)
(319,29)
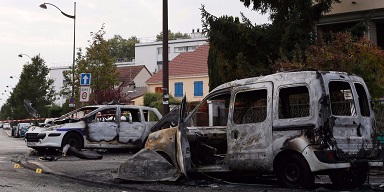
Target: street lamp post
(44,6)
(14,77)
(21,55)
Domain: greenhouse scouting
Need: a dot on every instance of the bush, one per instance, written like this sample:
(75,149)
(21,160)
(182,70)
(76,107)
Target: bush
(156,100)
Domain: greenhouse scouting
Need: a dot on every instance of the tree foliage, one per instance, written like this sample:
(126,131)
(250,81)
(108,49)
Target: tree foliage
(98,61)
(156,100)
(173,36)
(34,86)
(244,49)
(109,95)
(121,48)
(343,52)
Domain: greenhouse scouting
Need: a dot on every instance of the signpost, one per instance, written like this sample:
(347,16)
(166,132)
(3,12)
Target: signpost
(84,93)
(72,102)
(85,90)
(85,79)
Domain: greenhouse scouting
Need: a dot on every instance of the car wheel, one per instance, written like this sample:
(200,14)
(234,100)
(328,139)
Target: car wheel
(74,140)
(294,172)
(353,179)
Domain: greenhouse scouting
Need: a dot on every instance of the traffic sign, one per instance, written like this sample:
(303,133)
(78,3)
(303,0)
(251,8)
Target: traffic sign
(85,79)
(84,93)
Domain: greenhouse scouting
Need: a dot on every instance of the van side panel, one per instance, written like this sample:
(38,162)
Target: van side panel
(249,132)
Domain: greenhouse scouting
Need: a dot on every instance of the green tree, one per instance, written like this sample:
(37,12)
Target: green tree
(173,36)
(98,61)
(33,86)
(343,52)
(121,48)
(156,100)
(244,49)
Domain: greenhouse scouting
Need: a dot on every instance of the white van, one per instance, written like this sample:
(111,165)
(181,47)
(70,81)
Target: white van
(292,124)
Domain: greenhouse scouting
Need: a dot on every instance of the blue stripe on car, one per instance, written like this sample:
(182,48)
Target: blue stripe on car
(81,130)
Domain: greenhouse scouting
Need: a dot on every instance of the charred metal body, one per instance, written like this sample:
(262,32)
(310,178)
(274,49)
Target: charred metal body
(98,126)
(292,124)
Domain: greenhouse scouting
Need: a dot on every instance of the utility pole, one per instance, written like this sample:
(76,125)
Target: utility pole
(165,60)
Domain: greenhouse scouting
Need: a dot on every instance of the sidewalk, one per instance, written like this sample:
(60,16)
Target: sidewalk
(74,167)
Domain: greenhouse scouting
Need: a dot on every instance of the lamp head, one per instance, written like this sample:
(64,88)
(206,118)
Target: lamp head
(43,6)
(20,55)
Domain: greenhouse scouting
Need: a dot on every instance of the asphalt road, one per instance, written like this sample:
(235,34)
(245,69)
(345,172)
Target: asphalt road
(73,174)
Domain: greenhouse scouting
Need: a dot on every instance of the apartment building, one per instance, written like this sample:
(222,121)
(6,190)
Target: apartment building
(348,13)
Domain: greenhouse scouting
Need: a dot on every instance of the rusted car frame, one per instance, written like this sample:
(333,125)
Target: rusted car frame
(292,124)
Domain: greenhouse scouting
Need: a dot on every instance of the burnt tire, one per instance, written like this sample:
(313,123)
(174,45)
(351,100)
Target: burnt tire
(294,172)
(74,140)
(350,179)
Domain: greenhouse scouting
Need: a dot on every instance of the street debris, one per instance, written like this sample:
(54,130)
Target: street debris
(67,149)
(146,165)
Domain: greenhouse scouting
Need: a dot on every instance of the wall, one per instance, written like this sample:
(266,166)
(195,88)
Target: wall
(188,87)
(56,73)
(141,78)
(146,53)
(347,6)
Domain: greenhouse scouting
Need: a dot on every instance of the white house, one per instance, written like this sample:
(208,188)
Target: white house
(150,53)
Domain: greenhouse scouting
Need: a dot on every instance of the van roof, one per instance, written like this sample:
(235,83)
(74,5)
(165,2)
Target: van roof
(270,77)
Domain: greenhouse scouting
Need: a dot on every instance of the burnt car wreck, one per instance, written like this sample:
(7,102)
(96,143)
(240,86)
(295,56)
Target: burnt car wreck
(294,125)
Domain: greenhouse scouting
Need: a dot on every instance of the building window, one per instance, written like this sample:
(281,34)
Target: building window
(184,49)
(198,88)
(178,89)
(191,48)
(160,50)
(158,90)
(180,49)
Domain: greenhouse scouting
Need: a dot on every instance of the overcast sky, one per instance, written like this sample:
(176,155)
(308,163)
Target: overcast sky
(28,29)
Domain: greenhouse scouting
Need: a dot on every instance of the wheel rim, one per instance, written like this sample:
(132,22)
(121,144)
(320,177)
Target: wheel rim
(73,143)
(292,172)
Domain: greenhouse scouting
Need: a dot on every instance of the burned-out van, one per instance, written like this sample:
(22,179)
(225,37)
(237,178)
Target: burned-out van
(292,124)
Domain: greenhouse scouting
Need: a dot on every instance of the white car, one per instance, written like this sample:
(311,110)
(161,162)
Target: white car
(101,126)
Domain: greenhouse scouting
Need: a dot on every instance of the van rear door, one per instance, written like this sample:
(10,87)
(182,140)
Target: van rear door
(351,117)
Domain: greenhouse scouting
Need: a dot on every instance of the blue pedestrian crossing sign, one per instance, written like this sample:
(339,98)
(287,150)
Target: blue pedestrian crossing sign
(85,79)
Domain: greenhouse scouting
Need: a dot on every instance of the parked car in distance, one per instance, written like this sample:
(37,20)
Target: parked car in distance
(6,126)
(100,126)
(22,129)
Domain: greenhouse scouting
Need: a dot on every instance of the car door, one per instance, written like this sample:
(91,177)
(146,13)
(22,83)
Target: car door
(131,127)
(351,117)
(183,155)
(103,126)
(250,128)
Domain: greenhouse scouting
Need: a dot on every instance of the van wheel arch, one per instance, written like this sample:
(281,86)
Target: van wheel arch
(292,170)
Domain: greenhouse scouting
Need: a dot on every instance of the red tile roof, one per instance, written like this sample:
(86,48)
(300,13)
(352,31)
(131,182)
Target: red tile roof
(128,73)
(185,64)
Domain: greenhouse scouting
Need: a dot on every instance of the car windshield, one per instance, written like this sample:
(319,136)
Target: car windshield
(78,113)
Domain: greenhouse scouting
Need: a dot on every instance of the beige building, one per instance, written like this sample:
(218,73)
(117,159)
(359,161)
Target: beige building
(132,79)
(188,74)
(348,13)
